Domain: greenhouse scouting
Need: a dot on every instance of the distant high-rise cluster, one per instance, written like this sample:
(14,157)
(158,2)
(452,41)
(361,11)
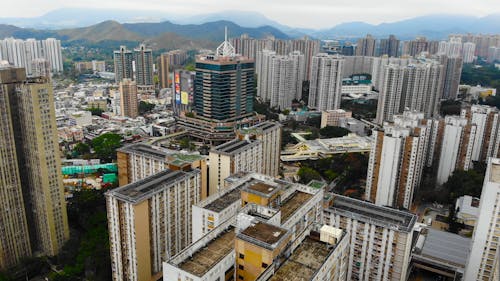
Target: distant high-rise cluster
(166,62)
(366,46)
(34,217)
(23,53)
(389,47)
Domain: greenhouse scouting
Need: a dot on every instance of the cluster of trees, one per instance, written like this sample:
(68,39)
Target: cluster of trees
(486,75)
(104,147)
(348,170)
(361,109)
(333,132)
(145,107)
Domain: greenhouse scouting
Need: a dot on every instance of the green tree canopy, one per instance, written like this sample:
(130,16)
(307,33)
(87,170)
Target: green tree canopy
(145,107)
(82,148)
(105,146)
(333,132)
(308,174)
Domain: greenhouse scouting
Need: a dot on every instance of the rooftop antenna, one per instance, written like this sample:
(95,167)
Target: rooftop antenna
(225,49)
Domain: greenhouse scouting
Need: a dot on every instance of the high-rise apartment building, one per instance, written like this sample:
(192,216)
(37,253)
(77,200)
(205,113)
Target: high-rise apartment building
(123,64)
(366,46)
(52,53)
(31,109)
(149,222)
(415,47)
(415,87)
(280,77)
(397,159)
(129,103)
(487,138)
(143,58)
(451,48)
(468,52)
(456,146)
(452,68)
(164,68)
(326,82)
(482,263)
(378,68)
(380,238)
(141,160)
(15,238)
(269,133)
(233,157)
(21,53)
(389,47)
(40,68)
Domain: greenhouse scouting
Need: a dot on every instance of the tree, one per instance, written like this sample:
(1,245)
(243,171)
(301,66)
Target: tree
(145,107)
(333,132)
(105,146)
(308,174)
(450,107)
(464,183)
(95,111)
(82,148)
(314,121)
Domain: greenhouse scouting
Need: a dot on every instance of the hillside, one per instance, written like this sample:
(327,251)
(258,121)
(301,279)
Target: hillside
(108,30)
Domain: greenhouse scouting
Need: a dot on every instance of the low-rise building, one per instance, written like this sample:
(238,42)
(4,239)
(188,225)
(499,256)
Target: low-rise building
(467,210)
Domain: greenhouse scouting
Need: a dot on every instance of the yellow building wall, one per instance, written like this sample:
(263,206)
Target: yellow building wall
(142,241)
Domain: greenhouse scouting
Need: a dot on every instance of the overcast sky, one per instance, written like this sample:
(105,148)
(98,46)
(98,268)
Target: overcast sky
(298,13)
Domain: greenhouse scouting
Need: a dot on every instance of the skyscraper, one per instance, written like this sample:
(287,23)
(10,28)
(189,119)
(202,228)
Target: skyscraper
(143,58)
(280,78)
(456,149)
(483,258)
(128,98)
(389,46)
(468,51)
(487,139)
(52,52)
(366,46)
(123,61)
(452,66)
(415,47)
(224,85)
(415,87)
(164,66)
(32,113)
(14,241)
(326,82)
(402,144)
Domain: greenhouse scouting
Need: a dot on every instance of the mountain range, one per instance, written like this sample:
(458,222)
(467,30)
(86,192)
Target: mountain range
(96,25)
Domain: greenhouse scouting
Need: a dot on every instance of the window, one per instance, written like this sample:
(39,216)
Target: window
(241,267)
(242,256)
(264,265)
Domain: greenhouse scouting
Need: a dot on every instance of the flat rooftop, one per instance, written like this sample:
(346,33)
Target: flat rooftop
(207,257)
(224,201)
(446,247)
(305,261)
(263,188)
(233,146)
(264,232)
(260,127)
(147,187)
(371,213)
(144,149)
(293,203)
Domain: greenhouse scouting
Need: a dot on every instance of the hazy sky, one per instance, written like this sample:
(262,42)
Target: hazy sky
(300,13)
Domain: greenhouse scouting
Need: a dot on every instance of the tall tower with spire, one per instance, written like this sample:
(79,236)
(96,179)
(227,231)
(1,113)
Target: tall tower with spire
(224,92)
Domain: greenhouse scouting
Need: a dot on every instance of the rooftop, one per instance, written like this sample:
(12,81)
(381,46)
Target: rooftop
(144,149)
(171,156)
(264,232)
(263,126)
(224,201)
(371,213)
(293,203)
(305,261)
(446,247)
(233,146)
(147,187)
(207,257)
(263,188)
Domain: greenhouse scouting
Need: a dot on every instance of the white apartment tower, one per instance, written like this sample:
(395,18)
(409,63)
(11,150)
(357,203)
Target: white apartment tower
(397,158)
(457,146)
(468,51)
(415,87)
(487,138)
(326,82)
(483,259)
(52,53)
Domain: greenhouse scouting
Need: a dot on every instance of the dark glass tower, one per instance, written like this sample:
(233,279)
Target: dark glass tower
(224,87)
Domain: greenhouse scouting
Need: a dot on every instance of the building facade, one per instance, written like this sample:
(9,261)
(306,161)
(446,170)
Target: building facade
(129,103)
(326,82)
(483,259)
(149,222)
(143,58)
